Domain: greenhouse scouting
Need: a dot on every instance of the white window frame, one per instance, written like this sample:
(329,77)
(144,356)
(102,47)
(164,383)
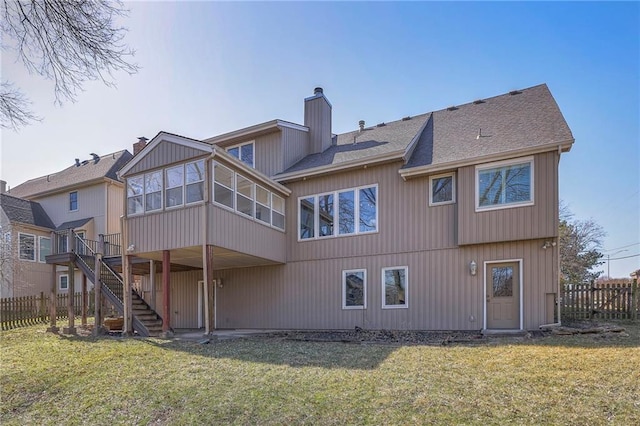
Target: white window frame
(234,195)
(40,238)
(452,175)
(60,282)
(204,178)
(344,289)
(505,163)
(161,191)
(181,186)
(336,210)
(406,291)
(134,196)
(239,146)
(77,201)
(35,248)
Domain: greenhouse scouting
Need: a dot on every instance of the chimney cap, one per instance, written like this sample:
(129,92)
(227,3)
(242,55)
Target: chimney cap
(317,90)
(361,124)
(142,139)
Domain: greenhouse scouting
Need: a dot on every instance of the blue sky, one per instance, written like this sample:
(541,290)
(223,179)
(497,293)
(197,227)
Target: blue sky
(209,68)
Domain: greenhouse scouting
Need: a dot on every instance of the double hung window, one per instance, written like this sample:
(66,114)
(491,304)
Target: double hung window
(27,247)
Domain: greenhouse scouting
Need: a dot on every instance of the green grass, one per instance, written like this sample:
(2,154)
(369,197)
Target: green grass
(50,379)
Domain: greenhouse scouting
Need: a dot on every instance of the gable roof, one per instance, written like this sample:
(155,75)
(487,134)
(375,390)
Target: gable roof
(507,124)
(88,171)
(25,211)
(73,224)
(515,122)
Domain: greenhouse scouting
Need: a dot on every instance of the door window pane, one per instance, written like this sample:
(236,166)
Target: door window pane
(502,281)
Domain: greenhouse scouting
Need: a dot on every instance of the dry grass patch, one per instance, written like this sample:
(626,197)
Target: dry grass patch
(49,379)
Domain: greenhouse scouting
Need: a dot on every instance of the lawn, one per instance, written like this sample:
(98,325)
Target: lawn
(583,379)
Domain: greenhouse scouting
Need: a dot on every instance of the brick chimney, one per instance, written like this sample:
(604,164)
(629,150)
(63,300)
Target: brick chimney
(317,117)
(139,146)
(3,187)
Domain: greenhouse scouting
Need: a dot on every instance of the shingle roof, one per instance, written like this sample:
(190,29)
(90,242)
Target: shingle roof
(107,166)
(517,120)
(73,224)
(372,141)
(25,211)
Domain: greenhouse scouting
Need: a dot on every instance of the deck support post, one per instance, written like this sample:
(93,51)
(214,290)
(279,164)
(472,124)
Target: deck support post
(85,301)
(53,294)
(127,328)
(166,294)
(97,288)
(209,289)
(152,284)
(71,293)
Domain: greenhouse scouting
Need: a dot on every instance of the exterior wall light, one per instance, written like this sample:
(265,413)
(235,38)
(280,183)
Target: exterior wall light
(473,267)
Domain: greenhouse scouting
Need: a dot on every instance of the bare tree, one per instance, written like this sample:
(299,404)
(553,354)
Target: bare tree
(580,248)
(66,41)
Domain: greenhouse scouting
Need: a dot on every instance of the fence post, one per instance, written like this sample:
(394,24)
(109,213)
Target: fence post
(591,297)
(634,299)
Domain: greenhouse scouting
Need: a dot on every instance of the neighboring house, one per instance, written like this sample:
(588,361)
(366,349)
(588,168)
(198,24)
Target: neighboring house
(86,197)
(25,241)
(442,221)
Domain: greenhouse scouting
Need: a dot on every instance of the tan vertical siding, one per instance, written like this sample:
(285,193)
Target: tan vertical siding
(115,208)
(405,220)
(165,153)
(234,232)
(184,297)
(268,153)
(91,204)
(163,231)
(295,146)
(510,224)
(442,293)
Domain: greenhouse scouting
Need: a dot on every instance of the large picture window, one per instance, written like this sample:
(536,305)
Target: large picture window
(504,184)
(356,212)
(243,152)
(395,290)
(442,189)
(27,247)
(354,289)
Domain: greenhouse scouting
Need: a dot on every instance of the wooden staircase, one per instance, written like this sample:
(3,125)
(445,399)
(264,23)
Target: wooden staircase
(146,321)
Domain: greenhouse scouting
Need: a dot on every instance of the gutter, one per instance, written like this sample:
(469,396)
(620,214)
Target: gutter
(429,169)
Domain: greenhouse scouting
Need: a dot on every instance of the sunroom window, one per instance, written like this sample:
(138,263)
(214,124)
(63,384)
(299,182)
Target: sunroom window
(223,185)
(195,181)
(263,204)
(135,194)
(174,179)
(153,191)
(504,184)
(244,195)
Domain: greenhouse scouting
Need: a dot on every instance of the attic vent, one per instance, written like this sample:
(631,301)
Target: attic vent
(361,124)
(77,162)
(96,158)
(85,162)
(407,118)
(452,108)
(380,124)
(515,92)
(478,101)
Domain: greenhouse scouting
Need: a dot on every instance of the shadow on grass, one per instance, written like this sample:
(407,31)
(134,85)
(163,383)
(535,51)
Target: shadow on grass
(279,351)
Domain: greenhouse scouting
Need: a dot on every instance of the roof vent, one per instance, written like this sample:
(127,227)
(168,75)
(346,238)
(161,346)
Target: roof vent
(85,162)
(77,162)
(515,92)
(317,91)
(361,124)
(96,158)
(478,101)
(452,108)
(407,118)
(381,124)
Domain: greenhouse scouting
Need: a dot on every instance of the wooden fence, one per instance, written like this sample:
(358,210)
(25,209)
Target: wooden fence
(30,310)
(615,300)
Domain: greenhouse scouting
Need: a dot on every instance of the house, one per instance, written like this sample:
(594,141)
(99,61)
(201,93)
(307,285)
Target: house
(25,241)
(84,199)
(442,221)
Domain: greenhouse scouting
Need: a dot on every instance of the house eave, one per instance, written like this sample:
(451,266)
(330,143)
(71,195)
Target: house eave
(333,168)
(251,131)
(441,167)
(70,187)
